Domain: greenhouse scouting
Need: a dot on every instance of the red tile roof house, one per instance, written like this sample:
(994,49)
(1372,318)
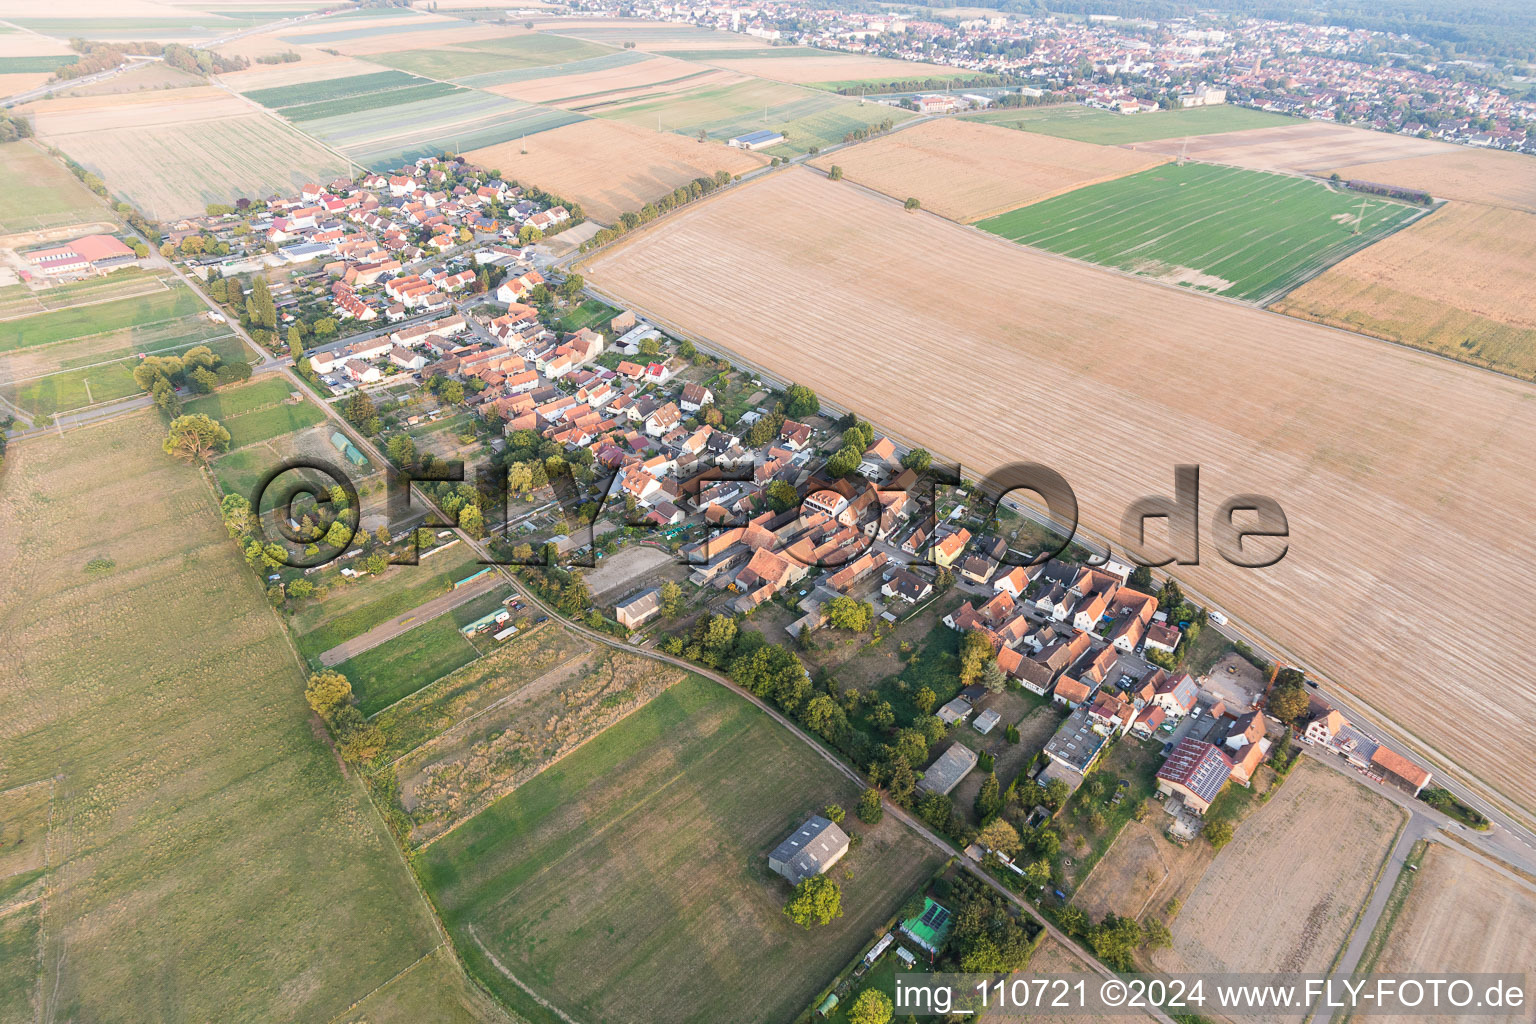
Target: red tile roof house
(1195,771)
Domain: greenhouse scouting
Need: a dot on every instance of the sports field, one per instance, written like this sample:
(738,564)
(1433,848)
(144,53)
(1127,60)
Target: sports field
(168,745)
(40,192)
(1089,124)
(1460,282)
(1344,432)
(1244,234)
(674,810)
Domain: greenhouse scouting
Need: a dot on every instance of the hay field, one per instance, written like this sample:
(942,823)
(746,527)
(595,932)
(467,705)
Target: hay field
(1461,916)
(1314,848)
(213,859)
(1306,147)
(40,192)
(629,882)
(1090,124)
(966,171)
(1460,282)
(1368,448)
(609,167)
(172,154)
(1249,235)
(1487,176)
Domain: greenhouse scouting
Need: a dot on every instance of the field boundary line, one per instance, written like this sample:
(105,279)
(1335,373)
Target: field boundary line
(389,981)
(551,1007)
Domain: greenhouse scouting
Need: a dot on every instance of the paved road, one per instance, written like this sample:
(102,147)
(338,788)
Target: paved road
(391,628)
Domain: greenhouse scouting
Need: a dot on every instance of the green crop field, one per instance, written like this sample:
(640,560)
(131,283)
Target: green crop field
(80,321)
(675,809)
(208,855)
(608,61)
(332,89)
(488,56)
(243,399)
(274,421)
(40,192)
(101,381)
(1089,124)
(806,117)
(1249,235)
(369,101)
(16,65)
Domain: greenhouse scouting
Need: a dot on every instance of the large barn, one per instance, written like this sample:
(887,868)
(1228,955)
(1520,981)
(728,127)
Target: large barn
(810,850)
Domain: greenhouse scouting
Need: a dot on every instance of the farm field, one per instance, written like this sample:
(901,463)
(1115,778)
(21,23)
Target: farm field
(1486,176)
(611,81)
(1321,826)
(18,365)
(426,652)
(1244,234)
(695,762)
(350,95)
(1263,403)
(967,171)
(1299,147)
(487,56)
(466,120)
(1458,282)
(172,157)
(800,65)
(1089,124)
(610,168)
(1054,958)
(40,192)
(806,117)
(67,389)
(1461,916)
(257,412)
(79,321)
(650,36)
(158,784)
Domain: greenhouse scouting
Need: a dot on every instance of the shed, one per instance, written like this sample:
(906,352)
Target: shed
(954,711)
(945,774)
(637,609)
(810,850)
(986,721)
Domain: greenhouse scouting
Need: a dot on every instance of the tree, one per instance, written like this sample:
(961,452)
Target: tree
(975,651)
(1288,704)
(236,512)
(850,614)
(993,677)
(165,397)
(650,348)
(800,401)
(572,286)
(781,495)
(835,174)
(845,461)
(1217,833)
(917,460)
(912,203)
(1115,939)
(1157,934)
(195,437)
(339,535)
(1055,795)
(259,308)
(327,691)
(834,813)
(401,450)
(671,598)
(989,799)
(924,699)
(872,1007)
(817,900)
(999,835)
(870,809)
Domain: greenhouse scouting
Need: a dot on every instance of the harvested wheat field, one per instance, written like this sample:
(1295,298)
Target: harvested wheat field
(1485,176)
(609,167)
(1461,916)
(1461,282)
(1314,850)
(1390,464)
(966,171)
(651,77)
(172,153)
(1309,147)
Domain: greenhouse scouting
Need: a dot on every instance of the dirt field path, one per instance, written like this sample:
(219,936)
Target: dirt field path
(403,622)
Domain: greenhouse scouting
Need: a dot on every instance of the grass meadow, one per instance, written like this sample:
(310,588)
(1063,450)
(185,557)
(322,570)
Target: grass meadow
(211,860)
(40,192)
(628,882)
(80,321)
(1249,235)
(1089,124)
(257,411)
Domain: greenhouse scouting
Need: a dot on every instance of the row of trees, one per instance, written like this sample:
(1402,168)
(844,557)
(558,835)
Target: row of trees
(681,196)
(199,369)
